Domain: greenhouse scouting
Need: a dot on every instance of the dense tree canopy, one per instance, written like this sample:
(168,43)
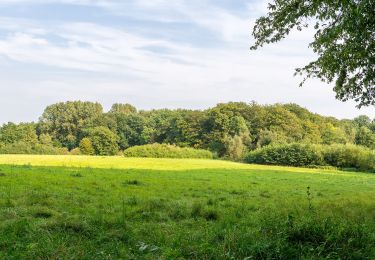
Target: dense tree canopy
(12,133)
(123,109)
(344,41)
(65,121)
(103,140)
(229,130)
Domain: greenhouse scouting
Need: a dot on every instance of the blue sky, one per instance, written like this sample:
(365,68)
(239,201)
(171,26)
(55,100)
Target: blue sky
(150,53)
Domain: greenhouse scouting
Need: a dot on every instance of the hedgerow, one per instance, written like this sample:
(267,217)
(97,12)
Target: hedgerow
(27,148)
(288,154)
(166,151)
(337,155)
(349,156)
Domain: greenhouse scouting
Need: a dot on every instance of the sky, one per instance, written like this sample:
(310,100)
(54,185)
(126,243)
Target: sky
(152,54)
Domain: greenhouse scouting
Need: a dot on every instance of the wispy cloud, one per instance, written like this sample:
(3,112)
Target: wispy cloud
(151,53)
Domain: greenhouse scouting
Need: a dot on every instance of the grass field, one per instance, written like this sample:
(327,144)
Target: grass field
(131,208)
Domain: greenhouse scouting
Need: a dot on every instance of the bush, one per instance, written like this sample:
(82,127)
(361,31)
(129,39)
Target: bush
(288,154)
(86,147)
(337,155)
(103,140)
(28,148)
(349,156)
(76,151)
(235,148)
(166,151)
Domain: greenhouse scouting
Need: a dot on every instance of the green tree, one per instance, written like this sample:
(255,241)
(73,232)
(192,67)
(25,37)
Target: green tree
(362,120)
(186,128)
(24,132)
(343,41)
(372,126)
(45,139)
(349,129)
(235,147)
(123,109)
(132,129)
(332,135)
(161,122)
(365,137)
(86,147)
(223,129)
(311,133)
(66,122)
(103,140)
(267,137)
(283,122)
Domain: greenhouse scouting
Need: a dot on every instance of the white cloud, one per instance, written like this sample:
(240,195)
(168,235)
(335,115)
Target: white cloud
(113,64)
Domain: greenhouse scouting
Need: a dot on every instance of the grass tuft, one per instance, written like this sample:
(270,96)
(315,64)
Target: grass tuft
(76,175)
(132,182)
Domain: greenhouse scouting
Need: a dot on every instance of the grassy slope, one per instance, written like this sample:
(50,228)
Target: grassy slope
(166,208)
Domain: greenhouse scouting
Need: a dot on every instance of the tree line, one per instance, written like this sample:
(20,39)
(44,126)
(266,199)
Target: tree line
(229,130)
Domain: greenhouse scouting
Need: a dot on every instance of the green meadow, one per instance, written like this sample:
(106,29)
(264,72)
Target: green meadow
(85,207)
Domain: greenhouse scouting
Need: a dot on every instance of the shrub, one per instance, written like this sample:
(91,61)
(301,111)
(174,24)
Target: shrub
(45,139)
(76,151)
(28,148)
(104,141)
(288,154)
(86,146)
(349,156)
(49,149)
(166,151)
(235,148)
(337,155)
(17,148)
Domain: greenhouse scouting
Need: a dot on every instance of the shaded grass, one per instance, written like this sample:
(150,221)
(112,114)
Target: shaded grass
(47,212)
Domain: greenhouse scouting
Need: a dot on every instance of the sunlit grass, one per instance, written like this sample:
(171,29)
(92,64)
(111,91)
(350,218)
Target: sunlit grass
(120,162)
(134,208)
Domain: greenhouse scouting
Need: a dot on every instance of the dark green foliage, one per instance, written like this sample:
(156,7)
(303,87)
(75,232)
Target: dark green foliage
(288,154)
(365,137)
(65,122)
(267,137)
(342,156)
(226,130)
(103,140)
(166,151)
(132,182)
(372,126)
(343,40)
(76,175)
(132,129)
(362,121)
